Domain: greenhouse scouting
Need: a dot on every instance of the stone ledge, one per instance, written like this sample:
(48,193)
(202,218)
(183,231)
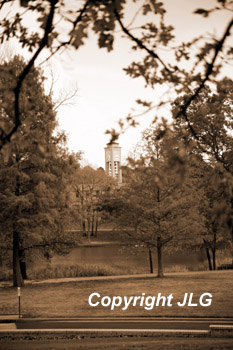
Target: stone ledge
(221,330)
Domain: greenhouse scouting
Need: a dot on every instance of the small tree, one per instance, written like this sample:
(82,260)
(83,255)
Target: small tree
(90,185)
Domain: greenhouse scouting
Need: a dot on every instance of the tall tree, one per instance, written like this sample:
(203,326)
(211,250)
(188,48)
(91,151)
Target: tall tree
(213,204)
(210,133)
(33,198)
(155,206)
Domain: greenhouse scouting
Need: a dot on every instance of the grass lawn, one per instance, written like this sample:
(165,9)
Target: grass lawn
(120,343)
(71,299)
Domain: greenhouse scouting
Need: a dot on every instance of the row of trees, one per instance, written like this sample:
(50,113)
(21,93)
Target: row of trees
(175,193)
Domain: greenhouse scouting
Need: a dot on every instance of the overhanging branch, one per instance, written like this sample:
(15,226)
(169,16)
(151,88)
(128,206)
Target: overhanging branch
(209,71)
(7,137)
(75,22)
(140,43)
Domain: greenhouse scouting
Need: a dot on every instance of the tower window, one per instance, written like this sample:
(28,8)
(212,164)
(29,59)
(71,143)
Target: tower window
(115,168)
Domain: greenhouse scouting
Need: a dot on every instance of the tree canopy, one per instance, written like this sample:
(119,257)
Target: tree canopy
(157,207)
(34,172)
(104,18)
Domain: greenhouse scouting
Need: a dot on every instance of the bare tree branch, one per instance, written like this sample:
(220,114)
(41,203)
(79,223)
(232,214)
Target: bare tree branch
(65,98)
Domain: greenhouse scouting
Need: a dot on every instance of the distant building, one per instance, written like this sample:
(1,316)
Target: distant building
(113,161)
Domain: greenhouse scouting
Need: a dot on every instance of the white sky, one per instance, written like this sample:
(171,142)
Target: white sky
(106,94)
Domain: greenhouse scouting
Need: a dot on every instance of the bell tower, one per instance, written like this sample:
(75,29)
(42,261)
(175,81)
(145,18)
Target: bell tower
(113,161)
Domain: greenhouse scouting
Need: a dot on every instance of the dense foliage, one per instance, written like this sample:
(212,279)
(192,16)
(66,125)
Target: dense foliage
(34,172)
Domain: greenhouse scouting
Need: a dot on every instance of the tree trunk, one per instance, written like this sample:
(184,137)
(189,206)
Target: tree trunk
(214,251)
(17,276)
(84,228)
(23,269)
(151,261)
(208,255)
(22,264)
(159,257)
(88,230)
(214,258)
(230,223)
(96,226)
(209,258)
(92,224)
